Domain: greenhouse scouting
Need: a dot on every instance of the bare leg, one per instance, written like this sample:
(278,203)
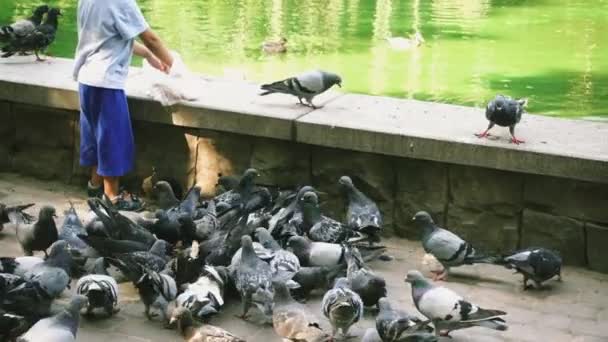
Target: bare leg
(514,140)
(485,133)
(96,179)
(111,187)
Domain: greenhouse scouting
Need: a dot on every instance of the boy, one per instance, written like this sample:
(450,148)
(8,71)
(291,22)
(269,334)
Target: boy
(107,30)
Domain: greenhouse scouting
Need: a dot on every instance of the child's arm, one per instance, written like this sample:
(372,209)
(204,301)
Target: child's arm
(153,49)
(142,51)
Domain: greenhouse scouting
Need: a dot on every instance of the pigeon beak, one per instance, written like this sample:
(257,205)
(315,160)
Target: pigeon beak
(172,320)
(414,218)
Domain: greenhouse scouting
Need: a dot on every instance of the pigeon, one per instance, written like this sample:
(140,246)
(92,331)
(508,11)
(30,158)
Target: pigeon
(292,321)
(319,227)
(226,183)
(207,333)
(305,86)
(108,247)
(253,278)
(59,328)
(506,112)
(24,298)
(285,214)
(205,296)
(239,196)
(261,251)
(535,263)
(53,275)
(342,306)
(12,325)
(370,286)
(100,289)
(23,27)
(362,214)
(166,197)
(284,264)
(394,325)
(315,277)
(325,254)
(446,246)
(38,40)
(155,259)
(187,265)
(72,226)
(4,210)
(119,226)
(20,265)
(37,236)
(449,311)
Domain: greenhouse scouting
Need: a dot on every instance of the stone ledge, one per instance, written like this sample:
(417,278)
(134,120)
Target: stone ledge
(404,128)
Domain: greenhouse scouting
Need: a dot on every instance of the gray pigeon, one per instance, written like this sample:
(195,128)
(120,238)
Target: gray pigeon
(292,320)
(315,277)
(165,195)
(19,265)
(71,228)
(449,311)
(362,214)
(205,296)
(319,227)
(240,195)
(342,306)
(155,259)
(37,236)
(35,41)
(23,27)
(370,286)
(535,263)
(326,254)
(305,86)
(449,249)
(4,210)
(100,289)
(284,264)
(53,275)
(506,112)
(59,328)
(395,325)
(253,280)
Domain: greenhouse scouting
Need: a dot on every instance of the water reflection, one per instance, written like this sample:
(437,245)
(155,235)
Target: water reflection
(552,51)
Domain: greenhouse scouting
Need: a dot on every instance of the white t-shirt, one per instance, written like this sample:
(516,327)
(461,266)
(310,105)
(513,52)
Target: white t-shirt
(106,32)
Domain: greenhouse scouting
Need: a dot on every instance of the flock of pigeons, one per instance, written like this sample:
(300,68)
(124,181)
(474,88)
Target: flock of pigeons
(33,35)
(270,247)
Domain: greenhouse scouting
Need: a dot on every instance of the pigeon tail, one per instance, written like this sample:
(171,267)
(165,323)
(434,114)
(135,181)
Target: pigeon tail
(494,323)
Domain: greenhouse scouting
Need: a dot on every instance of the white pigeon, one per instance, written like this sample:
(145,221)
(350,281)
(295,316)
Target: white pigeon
(449,311)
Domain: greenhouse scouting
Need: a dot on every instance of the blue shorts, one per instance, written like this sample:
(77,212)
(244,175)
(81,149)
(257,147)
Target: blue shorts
(106,136)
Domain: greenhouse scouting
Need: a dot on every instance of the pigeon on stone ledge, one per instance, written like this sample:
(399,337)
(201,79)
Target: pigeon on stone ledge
(305,86)
(506,112)
(36,41)
(23,27)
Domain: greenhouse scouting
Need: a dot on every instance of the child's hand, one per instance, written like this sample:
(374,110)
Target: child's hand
(157,64)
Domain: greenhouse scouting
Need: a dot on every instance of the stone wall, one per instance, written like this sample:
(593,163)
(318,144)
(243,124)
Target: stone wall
(496,210)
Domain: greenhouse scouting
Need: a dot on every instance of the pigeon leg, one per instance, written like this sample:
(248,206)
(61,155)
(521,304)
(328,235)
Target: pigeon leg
(485,133)
(443,276)
(526,282)
(559,276)
(148,314)
(38,57)
(310,104)
(246,306)
(514,140)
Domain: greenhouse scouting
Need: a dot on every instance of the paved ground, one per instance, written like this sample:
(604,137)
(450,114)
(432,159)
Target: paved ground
(575,310)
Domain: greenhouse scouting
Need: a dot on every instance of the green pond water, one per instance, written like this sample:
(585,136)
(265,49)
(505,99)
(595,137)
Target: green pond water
(554,52)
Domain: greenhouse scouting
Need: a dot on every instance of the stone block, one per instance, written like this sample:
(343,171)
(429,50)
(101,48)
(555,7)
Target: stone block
(43,126)
(170,149)
(564,197)
(561,233)
(43,162)
(488,231)
(421,185)
(373,174)
(281,163)
(225,153)
(475,187)
(597,240)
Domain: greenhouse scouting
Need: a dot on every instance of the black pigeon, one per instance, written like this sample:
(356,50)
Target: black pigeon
(23,297)
(241,196)
(449,249)
(342,306)
(23,27)
(62,327)
(4,210)
(118,226)
(12,325)
(506,112)
(187,265)
(395,325)
(305,86)
(72,227)
(315,277)
(205,296)
(100,289)
(226,183)
(370,286)
(171,225)
(36,41)
(319,227)
(36,236)
(283,215)
(53,275)
(535,263)
(108,247)
(362,214)
(253,279)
